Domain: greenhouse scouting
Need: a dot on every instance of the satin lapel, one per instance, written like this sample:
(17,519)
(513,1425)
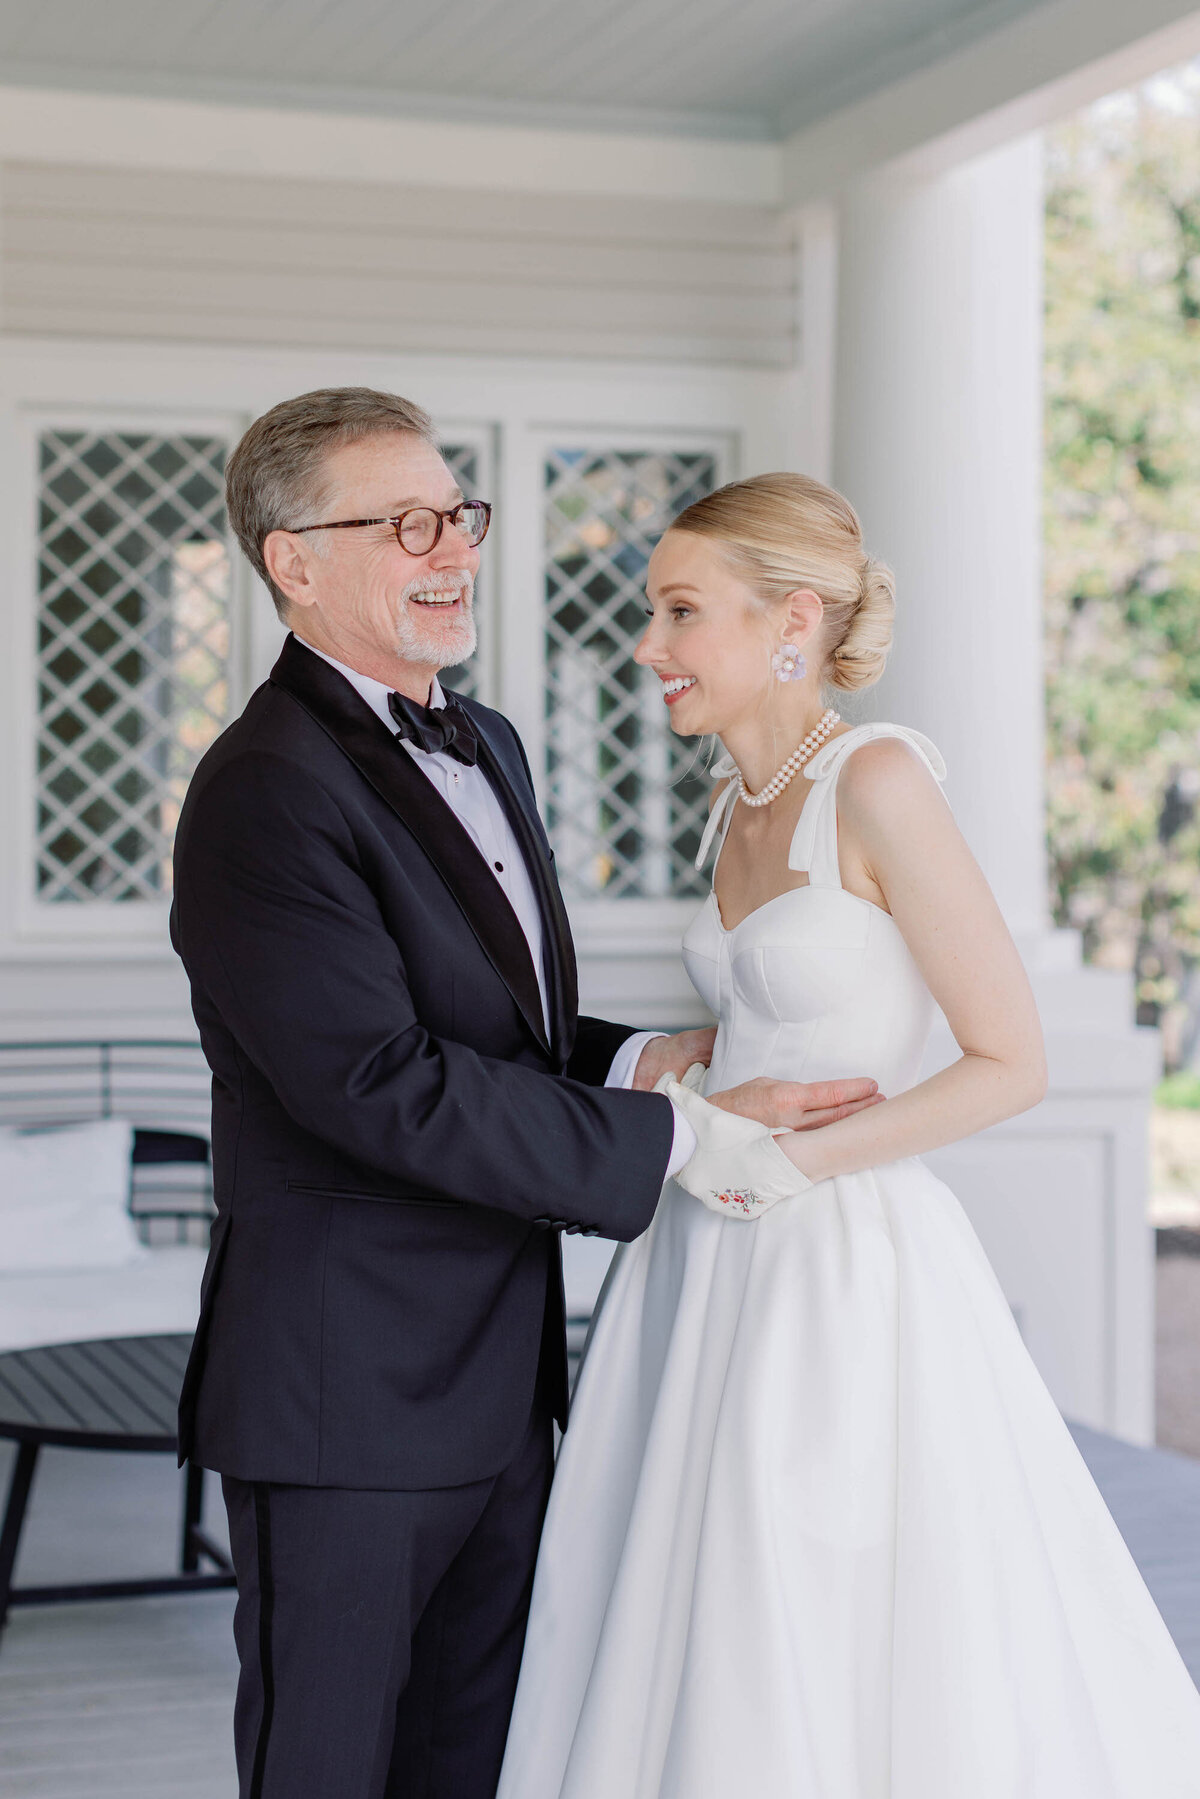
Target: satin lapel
(507,776)
(333,704)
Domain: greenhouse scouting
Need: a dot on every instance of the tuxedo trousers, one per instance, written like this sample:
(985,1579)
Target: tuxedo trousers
(380,1633)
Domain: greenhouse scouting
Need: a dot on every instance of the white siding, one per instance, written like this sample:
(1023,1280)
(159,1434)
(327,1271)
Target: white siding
(143,254)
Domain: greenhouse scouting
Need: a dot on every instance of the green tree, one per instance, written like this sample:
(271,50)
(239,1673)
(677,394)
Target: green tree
(1123,540)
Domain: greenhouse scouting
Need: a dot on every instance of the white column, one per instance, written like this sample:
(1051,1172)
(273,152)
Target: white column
(937,427)
(937,441)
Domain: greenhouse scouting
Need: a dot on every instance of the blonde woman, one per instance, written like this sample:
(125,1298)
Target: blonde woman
(817,1529)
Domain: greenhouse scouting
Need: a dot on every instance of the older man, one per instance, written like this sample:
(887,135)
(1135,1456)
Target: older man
(406,1112)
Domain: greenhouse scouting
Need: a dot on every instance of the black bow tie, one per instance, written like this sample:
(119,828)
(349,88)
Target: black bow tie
(432,728)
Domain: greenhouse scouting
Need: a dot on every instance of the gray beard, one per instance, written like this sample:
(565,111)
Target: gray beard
(435,647)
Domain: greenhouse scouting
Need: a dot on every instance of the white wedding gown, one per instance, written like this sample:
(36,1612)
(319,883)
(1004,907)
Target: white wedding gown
(817,1530)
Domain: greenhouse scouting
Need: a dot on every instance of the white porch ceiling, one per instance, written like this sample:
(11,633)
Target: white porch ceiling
(756,69)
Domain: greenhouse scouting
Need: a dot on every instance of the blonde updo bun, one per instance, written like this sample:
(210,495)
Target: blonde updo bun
(785,532)
(859,659)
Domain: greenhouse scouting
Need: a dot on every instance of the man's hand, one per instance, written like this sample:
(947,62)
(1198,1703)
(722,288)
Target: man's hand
(675,1055)
(793,1105)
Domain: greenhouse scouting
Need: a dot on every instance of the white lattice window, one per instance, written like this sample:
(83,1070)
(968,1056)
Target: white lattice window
(133,656)
(626,801)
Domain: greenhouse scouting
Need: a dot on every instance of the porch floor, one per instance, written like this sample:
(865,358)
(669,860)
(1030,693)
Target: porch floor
(134,1697)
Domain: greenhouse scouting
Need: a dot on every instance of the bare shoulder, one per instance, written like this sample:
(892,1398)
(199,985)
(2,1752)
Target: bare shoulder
(886,779)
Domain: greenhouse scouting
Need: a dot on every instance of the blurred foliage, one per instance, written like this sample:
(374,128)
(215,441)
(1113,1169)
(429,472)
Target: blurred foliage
(1123,541)
(1179,1092)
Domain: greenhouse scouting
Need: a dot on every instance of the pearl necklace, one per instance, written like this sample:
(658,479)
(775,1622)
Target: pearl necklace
(795,762)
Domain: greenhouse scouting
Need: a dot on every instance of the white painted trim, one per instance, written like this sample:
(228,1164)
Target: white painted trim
(606,927)
(387,103)
(123,131)
(83,372)
(520,690)
(1041,67)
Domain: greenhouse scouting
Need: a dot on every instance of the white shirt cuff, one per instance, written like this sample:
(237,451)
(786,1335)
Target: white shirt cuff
(684,1146)
(624,1063)
(621,1073)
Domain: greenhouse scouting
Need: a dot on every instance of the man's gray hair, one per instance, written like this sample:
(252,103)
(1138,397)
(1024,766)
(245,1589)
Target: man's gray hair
(275,479)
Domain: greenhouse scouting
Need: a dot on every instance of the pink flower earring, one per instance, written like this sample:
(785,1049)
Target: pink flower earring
(789,664)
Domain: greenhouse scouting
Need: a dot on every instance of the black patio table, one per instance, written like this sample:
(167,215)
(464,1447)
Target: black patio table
(110,1393)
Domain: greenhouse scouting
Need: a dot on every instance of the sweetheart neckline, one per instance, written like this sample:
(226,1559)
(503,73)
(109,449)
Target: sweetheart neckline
(790,893)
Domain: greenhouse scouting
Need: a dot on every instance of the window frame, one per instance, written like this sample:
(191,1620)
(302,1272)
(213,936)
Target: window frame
(95,922)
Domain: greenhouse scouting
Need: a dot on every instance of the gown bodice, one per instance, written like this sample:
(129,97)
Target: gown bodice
(817,984)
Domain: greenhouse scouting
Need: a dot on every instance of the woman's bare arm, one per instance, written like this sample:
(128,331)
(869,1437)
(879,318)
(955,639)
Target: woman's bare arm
(894,819)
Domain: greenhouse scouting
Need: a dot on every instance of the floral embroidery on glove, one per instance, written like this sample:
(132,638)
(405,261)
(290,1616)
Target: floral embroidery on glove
(742,1200)
(738,1170)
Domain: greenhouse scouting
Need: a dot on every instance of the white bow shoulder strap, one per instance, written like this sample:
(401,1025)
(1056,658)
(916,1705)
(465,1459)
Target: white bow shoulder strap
(814,844)
(722,770)
(824,765)
(828,760)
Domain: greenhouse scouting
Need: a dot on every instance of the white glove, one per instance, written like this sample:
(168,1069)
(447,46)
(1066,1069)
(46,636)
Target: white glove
(737,1168)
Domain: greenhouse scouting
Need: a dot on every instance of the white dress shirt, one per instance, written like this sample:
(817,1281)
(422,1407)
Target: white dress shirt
(470,796)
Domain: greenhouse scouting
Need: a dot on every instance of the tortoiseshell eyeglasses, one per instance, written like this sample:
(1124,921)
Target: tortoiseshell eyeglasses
(419,529)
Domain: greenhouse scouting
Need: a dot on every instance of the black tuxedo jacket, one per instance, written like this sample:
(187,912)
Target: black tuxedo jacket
(395,1141)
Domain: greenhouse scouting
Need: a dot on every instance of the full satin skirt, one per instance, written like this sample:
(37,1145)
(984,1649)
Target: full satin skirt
(819,1532)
